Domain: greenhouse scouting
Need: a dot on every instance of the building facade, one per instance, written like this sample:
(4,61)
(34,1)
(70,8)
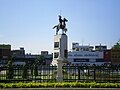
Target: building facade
(87,55)
(20,58)
(18,53)
(5,53)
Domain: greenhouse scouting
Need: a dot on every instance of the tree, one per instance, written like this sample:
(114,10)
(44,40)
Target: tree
(116,46)
(9,70)
(25,72)
(115,54)
(40,59)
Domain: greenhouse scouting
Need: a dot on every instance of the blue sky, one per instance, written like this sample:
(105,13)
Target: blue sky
(28,23)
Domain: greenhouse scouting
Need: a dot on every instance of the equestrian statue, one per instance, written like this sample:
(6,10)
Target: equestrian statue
(61,25)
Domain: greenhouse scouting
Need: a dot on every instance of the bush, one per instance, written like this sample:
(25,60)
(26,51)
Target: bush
(60,85)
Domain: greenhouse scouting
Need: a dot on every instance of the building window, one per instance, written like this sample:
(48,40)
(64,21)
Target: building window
(99,60)
(81,60)
(56,44)
(56,54)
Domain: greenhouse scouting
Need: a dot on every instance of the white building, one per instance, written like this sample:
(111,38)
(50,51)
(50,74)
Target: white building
(86,55)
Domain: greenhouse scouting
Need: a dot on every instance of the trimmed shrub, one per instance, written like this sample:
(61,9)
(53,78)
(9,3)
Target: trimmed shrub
(60,85)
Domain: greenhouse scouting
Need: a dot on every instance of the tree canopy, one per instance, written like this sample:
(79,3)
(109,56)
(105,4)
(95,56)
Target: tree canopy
(116,46)
(40,59)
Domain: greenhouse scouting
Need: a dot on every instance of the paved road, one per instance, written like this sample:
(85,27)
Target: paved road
(61,89)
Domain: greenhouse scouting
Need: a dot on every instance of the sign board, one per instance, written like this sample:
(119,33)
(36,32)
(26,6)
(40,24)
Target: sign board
(85,54)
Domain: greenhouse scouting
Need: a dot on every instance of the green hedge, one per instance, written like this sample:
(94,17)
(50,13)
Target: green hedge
(60,85)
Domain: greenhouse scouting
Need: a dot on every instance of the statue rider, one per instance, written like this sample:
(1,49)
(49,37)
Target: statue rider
(60,21)
(61,25)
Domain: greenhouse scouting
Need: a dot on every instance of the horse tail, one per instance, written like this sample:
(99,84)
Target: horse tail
(55,26)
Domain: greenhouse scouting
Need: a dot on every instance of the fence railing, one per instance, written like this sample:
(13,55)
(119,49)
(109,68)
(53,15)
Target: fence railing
(92,73)
(28,73)
(40,73)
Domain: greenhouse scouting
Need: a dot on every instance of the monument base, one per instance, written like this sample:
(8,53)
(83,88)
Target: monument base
(60,47)
(59,79)
(59,76)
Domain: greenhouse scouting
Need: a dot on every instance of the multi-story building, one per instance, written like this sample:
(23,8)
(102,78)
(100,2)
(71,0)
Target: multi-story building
(86,54)
(107,56)
(18,53)
(5,53)
(19,57)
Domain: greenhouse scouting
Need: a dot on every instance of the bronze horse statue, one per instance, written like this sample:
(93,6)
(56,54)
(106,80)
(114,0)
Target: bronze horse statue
(61,25)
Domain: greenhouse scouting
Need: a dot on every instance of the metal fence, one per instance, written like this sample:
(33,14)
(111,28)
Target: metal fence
(28,73)
(94,73)
(40,73)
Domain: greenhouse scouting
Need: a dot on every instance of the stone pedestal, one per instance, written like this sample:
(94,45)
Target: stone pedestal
(60,54)
(59,76)
(60,48)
